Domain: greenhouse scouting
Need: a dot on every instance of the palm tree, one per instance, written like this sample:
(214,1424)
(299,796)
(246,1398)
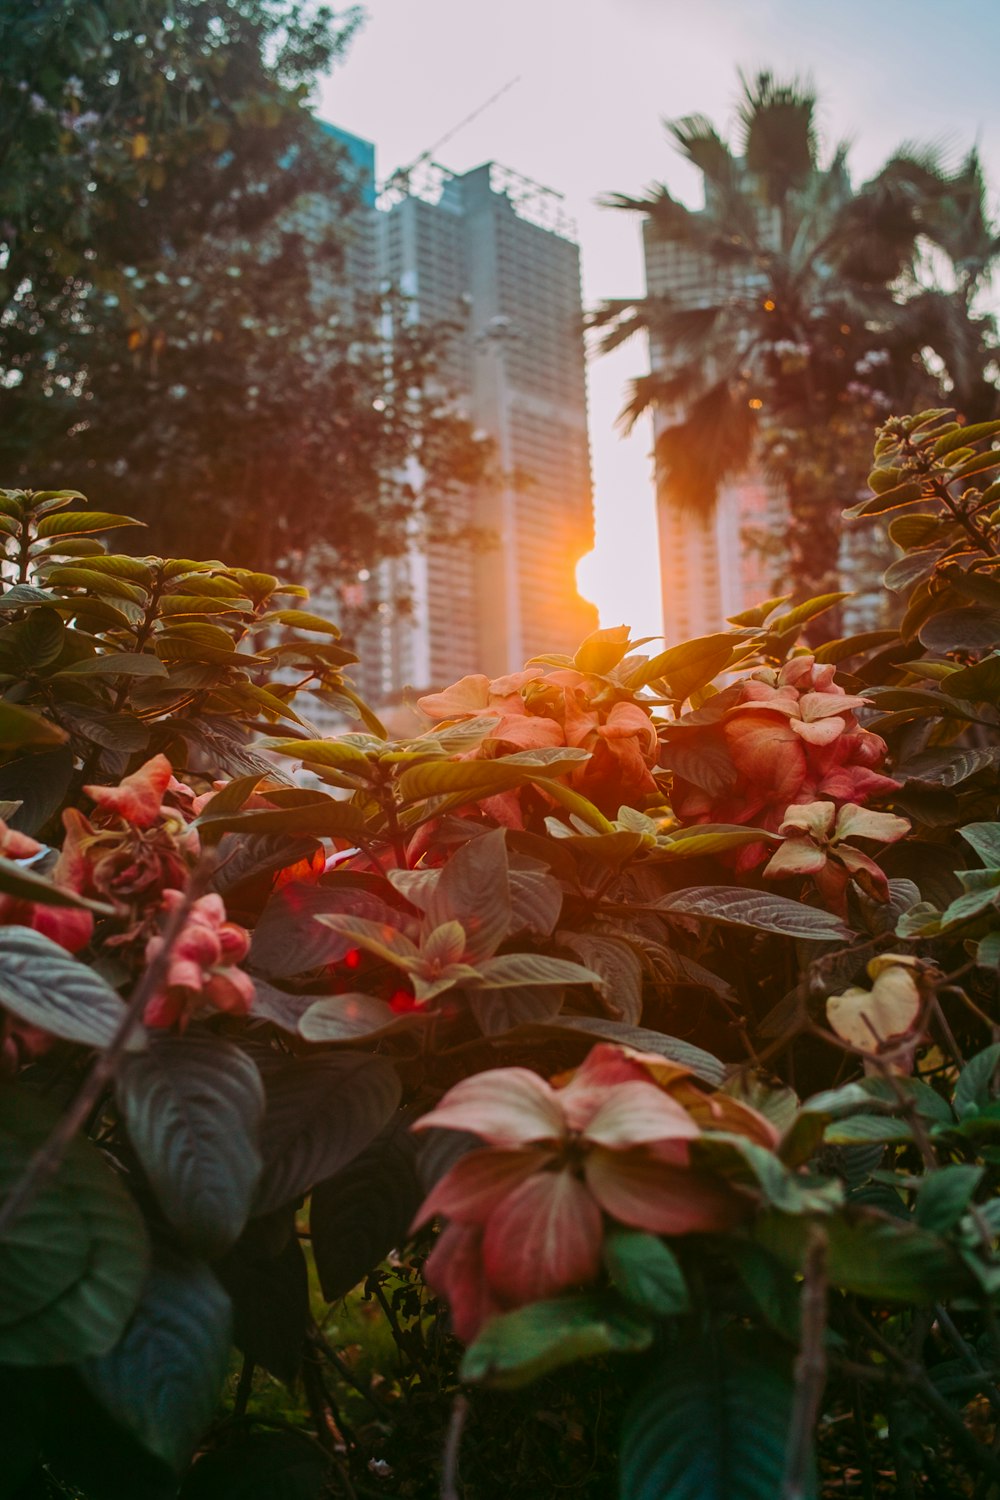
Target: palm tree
(789,339)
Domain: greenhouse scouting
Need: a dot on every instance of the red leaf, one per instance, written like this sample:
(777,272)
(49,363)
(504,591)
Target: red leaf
(545,1236)
(506,1106)
(641,1190)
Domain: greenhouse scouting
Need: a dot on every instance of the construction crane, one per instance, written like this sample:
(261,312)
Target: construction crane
(400,178)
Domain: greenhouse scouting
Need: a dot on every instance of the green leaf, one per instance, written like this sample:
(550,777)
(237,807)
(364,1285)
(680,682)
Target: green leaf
(973,628)
(978,684)
(357,1216)
(477,778)
(866,1128)
(734,907)
(530,969)
(617,962)
(81,522)
(963,437)
(978,1083)
(517,1347)
(873,1255)
(802,613)
(72,1266)
(349,1018)
(380,938)
(702,1064)
(163,1379)
(711,838)
(689,666)
(302,620)
(44,985)
(321,1112)
(711,1424)
(945,1195)
(474,889)
(79,576)
(498,1011)
(646,1272)
(193,1106)
(18,726)
(985,839)
(337,754)
(321,819)
(116,664)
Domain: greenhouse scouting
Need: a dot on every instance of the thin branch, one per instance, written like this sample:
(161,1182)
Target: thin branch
(450,1480)
(810,1371)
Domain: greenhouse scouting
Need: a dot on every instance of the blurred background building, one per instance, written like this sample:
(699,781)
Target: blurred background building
(492,257)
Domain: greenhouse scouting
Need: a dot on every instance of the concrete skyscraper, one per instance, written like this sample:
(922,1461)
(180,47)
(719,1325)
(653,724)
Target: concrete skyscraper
(492,254)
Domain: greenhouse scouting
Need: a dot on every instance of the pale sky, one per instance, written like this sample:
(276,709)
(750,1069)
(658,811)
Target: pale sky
(596,79)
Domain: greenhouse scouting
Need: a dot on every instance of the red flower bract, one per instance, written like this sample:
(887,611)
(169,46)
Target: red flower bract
(789,736)
(531,1204)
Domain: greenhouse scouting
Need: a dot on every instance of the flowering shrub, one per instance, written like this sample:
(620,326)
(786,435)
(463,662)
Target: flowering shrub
(639,1015)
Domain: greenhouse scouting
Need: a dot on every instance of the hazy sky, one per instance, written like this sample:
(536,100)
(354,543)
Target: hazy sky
(596,79)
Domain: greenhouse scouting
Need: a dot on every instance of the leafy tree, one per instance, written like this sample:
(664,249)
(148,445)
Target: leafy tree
(159,288)
(812,305)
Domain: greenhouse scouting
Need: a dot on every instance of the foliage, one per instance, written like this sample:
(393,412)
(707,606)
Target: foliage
(173,231)
(817,307)
(634,1026)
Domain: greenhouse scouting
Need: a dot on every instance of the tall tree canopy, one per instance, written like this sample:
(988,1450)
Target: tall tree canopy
(161,341)
(810,305)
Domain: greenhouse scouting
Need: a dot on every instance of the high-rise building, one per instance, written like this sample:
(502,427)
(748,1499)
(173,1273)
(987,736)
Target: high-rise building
(491,254)
(718,560)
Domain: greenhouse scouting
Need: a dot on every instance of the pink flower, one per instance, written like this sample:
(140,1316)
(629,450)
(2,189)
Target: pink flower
(70,926)
(139,797)
(788,736)
(202,971)
(528,1209)
(814,833)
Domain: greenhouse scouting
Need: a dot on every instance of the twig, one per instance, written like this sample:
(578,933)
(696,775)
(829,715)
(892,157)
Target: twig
(915,1378)
(810,1370)
(49,1155)
(449,1467)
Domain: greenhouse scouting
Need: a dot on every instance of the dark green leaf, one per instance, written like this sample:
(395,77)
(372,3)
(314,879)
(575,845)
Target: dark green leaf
(116,664)
(359,1215)
(474,889)
(72,1266)
(81,522)
(646,1272)
(193,1106)
(44,985)
(711,1424)
(321,1111)
(985,839)
(162,1380)
(873,1255)
(978,1082)
(945,1195)
(735,907)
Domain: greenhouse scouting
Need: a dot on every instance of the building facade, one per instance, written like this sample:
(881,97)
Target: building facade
(490,255)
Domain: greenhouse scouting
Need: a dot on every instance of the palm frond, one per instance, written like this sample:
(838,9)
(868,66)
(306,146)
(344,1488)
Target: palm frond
(713,443)
(778,138)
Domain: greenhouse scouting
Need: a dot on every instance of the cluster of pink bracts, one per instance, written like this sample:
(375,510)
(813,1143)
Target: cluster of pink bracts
(801,767)
(609,1144)
(134,852)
